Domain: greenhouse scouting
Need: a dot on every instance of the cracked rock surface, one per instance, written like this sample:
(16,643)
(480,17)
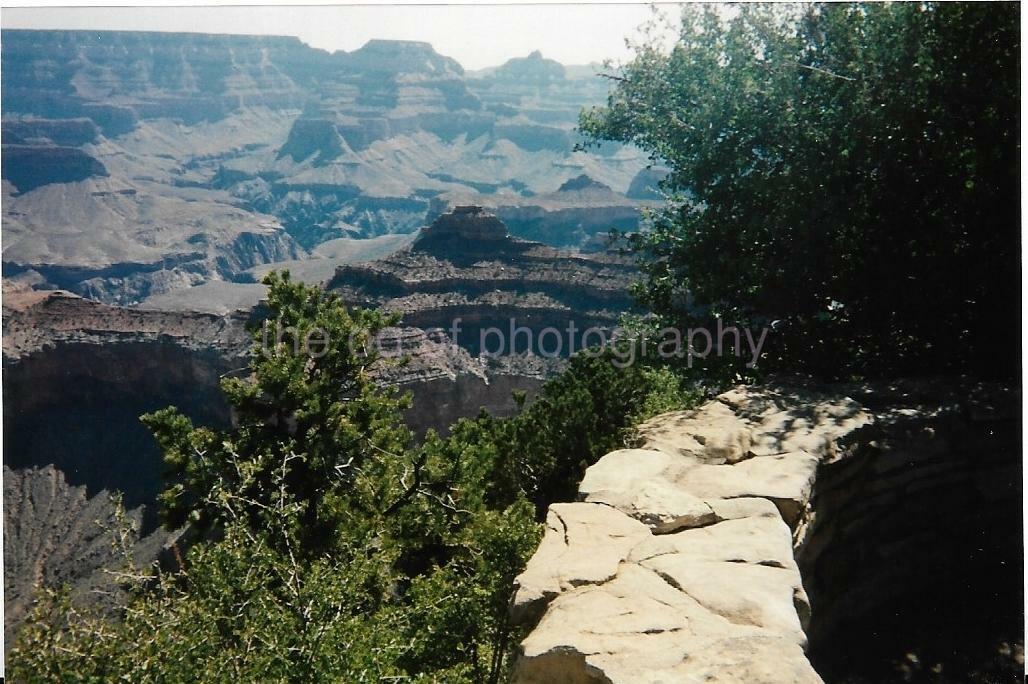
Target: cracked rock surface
(677,565)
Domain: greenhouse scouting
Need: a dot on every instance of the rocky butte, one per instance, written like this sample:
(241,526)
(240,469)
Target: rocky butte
(465,268)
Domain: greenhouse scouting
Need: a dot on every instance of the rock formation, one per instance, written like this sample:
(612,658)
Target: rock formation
(466,227)
(583,183)
(533,68)
(571,218)
(137,164)
(464,268)
(646,184)
(28,167)
(59,535)
(77,375)
(691,557)
(94,369)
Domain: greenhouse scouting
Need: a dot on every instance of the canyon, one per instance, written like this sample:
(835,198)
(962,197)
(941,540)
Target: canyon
(77,376)
(150,181)
(94,368)
(789,531)
(140,164)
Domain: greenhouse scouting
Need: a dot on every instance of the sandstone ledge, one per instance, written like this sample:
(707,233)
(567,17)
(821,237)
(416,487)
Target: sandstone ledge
(677,564)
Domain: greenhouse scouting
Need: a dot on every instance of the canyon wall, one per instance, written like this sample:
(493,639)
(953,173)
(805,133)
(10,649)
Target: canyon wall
(791,533)
(94,369)
(139,164)
(61,535)
(492,293)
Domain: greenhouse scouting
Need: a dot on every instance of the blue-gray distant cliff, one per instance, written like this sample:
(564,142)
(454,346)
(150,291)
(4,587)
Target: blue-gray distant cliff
(167,160)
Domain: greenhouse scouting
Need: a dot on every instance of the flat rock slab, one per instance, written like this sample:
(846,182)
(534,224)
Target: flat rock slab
(642,484)
(584,544)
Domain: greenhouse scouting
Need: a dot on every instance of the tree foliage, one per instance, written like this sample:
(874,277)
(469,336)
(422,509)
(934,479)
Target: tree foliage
(309,413)
(849,171)
(330,546)
(588,410)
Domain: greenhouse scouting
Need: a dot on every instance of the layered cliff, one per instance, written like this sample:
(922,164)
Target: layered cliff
(465,276)
(77,375)
(790,533)
(117,78)
(94,369)
(136,164)
(579,215)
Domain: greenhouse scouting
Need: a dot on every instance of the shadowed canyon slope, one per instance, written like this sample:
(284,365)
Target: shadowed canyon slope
(77,376)
(94,368)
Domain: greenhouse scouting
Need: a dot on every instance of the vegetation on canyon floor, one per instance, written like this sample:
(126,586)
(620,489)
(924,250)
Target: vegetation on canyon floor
(851,175)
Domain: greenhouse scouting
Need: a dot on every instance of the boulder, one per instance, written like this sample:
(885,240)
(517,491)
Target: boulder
(633,481)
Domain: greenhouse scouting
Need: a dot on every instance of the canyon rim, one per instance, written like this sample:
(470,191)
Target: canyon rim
(350,361)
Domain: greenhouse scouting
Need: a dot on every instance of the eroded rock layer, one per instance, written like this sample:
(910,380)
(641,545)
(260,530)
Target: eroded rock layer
(56,534)
(140,164)
(690,558)
(77,375)
(94,369)
(465,277)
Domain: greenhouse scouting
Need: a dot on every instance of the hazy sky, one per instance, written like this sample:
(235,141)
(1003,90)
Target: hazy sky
(475,35)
